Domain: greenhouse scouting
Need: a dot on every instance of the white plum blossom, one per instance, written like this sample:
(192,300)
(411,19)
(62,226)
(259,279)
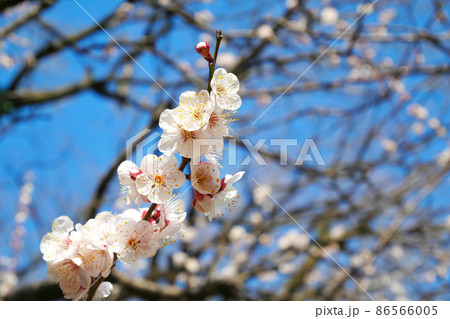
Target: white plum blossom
(58,244)
(128,172)
(217,127)
(172,216)
(224,88)
(85,254)
(194,110)
(160,176)
(73,279)
(134,240)
(97,258)
(176,139)
(213,205)
(205,178)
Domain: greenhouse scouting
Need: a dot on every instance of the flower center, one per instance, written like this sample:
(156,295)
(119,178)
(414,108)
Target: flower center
(132,243)
(221,89)
(214,120)
(158,179)
(197,113)
(67,243)
(186,134)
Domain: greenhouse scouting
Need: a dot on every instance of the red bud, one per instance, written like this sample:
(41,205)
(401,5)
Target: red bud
(203,49)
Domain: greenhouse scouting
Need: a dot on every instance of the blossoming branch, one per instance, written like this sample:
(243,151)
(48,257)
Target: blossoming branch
(79,257)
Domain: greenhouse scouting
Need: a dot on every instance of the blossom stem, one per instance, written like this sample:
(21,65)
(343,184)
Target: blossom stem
(212,64)
(99,280)
(149,212)
(184,162)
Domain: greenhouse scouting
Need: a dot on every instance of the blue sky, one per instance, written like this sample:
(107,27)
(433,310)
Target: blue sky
(74,141)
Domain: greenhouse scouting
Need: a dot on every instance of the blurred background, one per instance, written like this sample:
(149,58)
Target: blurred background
(375,104)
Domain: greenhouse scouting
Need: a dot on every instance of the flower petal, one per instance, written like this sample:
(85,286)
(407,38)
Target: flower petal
(62,224)
(160,194)
(124,172)
(167,122)
(175,179)
(144,184)
(149,164)
(194,110)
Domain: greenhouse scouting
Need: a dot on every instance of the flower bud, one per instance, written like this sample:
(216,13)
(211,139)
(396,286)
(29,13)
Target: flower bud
(203,49)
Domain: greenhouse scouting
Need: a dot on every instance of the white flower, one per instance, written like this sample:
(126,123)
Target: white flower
(160,176)
(194,110)
(134,239)
(99,229)
(97,258)
(172,216)
(224,88)
(73,280)
(59,244)
(103,291)
(225,198)
(205,178)
(217,126)
(128,172)
(176,139)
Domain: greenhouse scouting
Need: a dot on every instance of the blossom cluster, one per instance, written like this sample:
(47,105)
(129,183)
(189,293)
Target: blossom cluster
(195,130)
(79,257)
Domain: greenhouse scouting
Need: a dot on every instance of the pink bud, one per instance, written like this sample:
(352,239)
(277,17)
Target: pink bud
(203,49)
(134,173)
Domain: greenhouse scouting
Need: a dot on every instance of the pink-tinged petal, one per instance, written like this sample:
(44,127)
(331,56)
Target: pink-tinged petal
(175,179)
(205,178)
(123,171)
(201,202)
(149,164)
(85,279)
